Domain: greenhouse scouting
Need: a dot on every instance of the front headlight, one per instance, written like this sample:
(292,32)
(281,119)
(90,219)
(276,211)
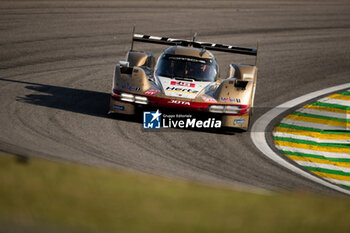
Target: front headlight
(133,98)
(127,97)
(141,100)
(232,109)
(216,108)
(228,109)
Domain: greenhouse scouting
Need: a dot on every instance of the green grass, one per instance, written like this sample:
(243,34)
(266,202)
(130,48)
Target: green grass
(43,196)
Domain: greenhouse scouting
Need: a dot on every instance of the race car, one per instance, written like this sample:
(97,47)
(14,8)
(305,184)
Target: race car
(185,77)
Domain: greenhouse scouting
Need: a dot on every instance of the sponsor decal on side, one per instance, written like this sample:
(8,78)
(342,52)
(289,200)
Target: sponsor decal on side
(156,120)
(180,89)
(232,100)
(211,100)
(151,92)
(184,84)
(119,107)
(131,88)
(179,102)
(238,121)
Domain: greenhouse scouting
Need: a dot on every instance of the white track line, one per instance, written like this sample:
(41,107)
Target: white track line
(258,134)
(324,113)
(334,101)
(315,152)
(323,165)
(308,138)
(344,182)
(313,125)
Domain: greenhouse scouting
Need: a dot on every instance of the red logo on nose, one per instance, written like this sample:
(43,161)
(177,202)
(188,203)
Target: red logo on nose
(183,84)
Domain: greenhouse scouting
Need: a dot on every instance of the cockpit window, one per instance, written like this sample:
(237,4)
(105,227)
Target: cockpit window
(185,67)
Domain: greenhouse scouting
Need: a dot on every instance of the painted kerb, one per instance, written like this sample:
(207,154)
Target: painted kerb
(259,134)
(317,137)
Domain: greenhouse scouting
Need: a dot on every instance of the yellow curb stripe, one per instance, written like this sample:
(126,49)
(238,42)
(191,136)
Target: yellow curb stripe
(318,121)
(327,109)
(312,134)
(314,160)
(340,97)
(306,135)
(312,147)
(332,176)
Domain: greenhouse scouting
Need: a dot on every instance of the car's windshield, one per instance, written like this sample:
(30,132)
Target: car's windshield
(187,68)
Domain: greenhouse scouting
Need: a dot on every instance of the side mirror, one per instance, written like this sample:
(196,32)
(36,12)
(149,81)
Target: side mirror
(124,63)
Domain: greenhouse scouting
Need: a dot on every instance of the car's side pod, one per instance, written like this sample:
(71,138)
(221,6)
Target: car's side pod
(239,88)
(136,58)
(133,74)
(130,79)
(128,82)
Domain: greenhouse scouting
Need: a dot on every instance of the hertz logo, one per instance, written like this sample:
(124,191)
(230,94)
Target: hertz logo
(188,90)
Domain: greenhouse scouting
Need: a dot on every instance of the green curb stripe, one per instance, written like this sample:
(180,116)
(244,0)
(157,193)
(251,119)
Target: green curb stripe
(320,117)
(338,106)
(342,160)
(328,171)
(345,93)
(283,125)
(309,129)
(301,141)
(344,186)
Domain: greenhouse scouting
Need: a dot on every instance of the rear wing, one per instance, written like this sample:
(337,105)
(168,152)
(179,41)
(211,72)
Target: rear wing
(195,44)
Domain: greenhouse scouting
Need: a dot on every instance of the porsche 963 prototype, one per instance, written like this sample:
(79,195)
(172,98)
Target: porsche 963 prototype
(185,77)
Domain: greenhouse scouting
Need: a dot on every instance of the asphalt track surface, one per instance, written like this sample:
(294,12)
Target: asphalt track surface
(57,60)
